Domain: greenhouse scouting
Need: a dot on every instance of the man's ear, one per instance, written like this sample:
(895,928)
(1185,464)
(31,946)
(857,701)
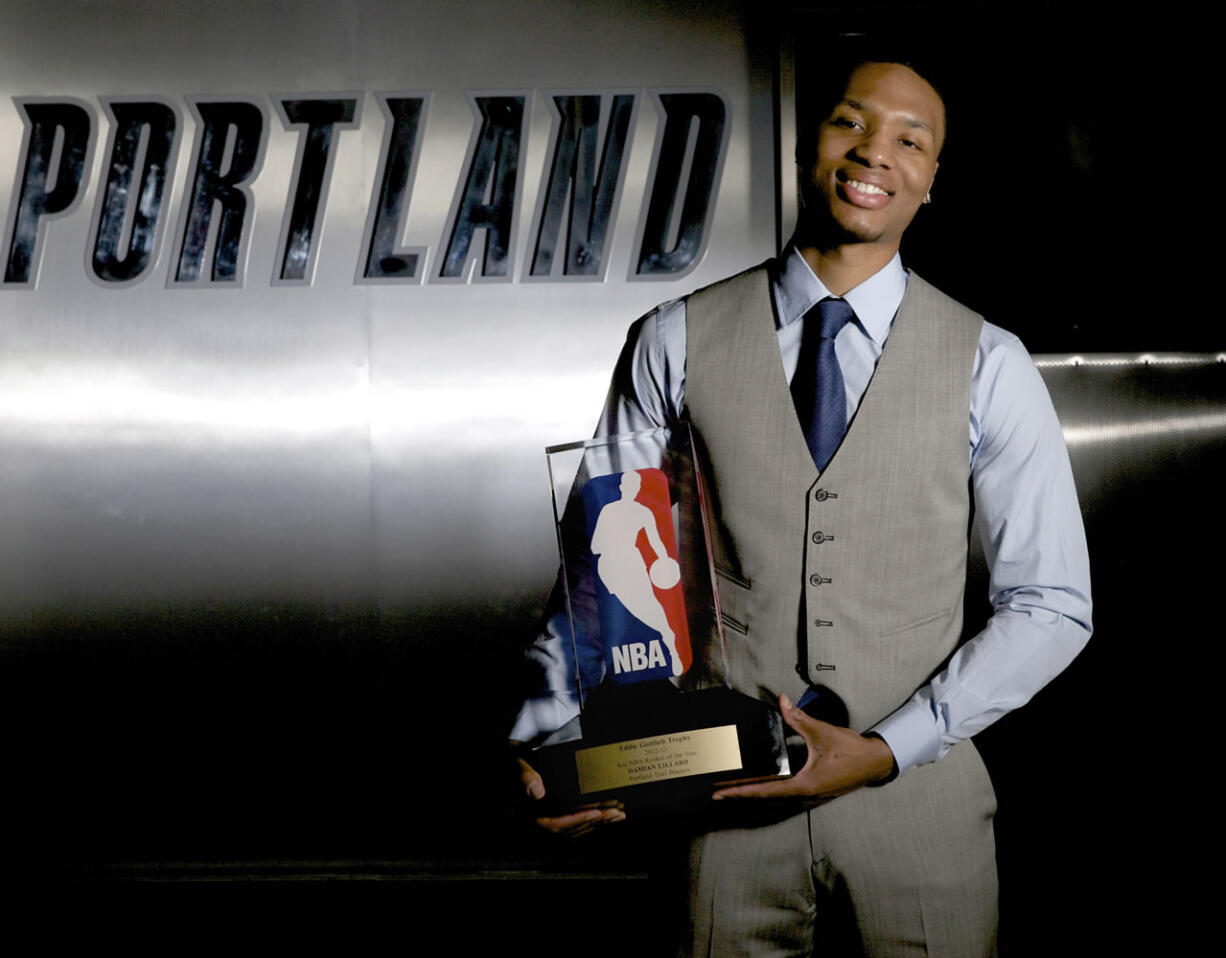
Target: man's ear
(928,192)
(803,187)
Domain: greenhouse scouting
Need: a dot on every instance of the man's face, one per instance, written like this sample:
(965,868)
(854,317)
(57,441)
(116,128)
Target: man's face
(876,155)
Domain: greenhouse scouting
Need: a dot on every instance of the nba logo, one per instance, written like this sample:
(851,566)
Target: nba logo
(638,595)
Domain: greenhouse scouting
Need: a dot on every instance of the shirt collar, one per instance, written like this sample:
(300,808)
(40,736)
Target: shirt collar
(875,301)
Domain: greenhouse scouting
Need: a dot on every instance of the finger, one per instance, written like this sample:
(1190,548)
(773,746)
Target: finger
(577,824)
(562,824)
(534,787)
(785,789)
(800,721)
(791,714)
(611,816)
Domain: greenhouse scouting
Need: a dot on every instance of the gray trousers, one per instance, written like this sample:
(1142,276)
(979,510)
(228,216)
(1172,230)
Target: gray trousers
(906,869)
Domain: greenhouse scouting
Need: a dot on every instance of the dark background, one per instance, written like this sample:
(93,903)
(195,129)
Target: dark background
(1072,201)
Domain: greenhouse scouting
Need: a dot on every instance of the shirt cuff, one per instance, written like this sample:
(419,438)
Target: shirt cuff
(911,734)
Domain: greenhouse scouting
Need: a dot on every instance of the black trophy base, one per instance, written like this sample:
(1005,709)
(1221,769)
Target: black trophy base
(659,750)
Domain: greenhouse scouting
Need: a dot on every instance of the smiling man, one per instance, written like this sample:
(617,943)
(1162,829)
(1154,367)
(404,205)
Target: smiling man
(848,411)
(875,163)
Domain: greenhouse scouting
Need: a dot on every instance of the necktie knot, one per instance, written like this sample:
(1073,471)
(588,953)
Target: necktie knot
(835,314)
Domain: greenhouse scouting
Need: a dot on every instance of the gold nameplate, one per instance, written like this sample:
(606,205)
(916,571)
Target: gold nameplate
(657,758)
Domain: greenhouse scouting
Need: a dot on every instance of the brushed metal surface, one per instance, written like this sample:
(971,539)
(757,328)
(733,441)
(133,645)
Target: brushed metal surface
(330,443)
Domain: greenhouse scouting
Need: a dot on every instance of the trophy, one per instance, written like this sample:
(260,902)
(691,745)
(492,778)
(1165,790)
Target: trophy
(658,727)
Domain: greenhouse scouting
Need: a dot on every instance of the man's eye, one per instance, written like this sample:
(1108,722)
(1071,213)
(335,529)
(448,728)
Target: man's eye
(845,122)
(909,144)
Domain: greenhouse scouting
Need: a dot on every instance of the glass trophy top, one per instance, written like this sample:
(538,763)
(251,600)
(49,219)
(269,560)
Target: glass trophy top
(638,576)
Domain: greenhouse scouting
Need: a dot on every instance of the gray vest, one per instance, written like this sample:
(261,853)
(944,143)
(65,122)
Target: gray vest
(866,561)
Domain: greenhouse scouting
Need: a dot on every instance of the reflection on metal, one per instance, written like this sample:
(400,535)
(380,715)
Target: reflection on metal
(58,136)
(1146,429)
(514,410)
(58,407)
(1147,400)
(1145,359)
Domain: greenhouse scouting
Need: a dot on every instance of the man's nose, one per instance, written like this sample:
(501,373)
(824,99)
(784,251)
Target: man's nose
(874,149)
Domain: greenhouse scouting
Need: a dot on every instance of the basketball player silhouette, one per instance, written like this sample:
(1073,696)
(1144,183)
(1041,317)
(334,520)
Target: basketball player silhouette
(620,564)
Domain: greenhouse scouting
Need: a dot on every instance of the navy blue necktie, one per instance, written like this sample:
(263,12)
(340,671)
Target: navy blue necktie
(817,386)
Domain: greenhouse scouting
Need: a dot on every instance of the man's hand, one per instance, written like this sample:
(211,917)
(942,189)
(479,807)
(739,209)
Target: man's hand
(840,761)
(573,824)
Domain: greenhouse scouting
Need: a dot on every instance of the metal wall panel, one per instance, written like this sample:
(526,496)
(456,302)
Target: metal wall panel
(339,443)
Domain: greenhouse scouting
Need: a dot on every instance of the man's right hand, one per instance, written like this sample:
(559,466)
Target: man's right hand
(573,824)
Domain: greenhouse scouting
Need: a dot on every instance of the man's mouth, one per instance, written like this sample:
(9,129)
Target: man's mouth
(863,194)
(867,188)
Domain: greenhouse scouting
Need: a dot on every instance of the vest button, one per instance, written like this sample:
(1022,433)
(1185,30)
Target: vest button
(819,537)
(820,495)
(816,579)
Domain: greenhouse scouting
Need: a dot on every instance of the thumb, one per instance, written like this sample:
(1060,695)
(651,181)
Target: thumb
(808,727)
(533,786)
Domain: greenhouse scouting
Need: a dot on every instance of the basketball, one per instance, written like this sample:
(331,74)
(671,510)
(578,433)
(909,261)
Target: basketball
(665,573)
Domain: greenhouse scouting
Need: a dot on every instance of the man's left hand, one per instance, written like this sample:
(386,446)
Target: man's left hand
(840,761)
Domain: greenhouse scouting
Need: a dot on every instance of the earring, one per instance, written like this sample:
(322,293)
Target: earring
(928,197)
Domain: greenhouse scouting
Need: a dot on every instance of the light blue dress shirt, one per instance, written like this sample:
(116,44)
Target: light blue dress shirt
(1026,510)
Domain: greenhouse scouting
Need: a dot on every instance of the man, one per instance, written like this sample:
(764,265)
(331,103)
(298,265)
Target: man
(844,547)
